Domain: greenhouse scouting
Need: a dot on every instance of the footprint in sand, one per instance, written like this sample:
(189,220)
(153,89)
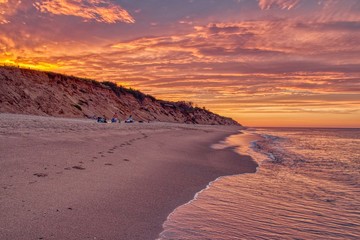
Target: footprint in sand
(67,168)
(113,148)
(78,167)
(126,160)
(108,164)
(40,174)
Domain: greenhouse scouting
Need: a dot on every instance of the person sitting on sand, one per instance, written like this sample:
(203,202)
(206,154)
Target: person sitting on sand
(114,118)
(101,120)
(129,120)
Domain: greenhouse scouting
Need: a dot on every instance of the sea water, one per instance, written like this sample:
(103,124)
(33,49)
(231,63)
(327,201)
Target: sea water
(307,187)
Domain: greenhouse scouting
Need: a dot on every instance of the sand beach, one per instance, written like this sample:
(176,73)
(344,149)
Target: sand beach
(77,179)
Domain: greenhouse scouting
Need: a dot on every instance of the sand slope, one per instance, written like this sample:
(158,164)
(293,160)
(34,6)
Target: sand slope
(25,91)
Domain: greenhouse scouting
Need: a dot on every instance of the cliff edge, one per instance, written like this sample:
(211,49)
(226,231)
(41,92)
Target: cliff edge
(51,94)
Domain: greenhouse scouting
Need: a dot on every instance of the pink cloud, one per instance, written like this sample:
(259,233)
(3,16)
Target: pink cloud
(283,4)
(96,10)
(8,8)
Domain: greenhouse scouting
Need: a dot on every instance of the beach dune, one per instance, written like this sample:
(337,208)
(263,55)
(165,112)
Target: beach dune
(77,179)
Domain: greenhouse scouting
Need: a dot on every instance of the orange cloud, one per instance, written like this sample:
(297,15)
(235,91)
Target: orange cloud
(283,4)
(97,10)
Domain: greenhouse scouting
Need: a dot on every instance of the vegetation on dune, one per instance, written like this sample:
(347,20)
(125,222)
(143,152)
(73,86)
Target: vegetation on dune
(77,106)
(71,87)
(118,90)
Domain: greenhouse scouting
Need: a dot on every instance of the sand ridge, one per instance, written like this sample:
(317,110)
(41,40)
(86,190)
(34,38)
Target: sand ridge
(26,91)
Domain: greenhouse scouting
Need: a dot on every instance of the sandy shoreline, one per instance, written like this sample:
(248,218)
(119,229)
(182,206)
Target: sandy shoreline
(77,179)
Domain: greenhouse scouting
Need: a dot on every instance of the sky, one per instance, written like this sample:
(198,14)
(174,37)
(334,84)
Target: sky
(293,63)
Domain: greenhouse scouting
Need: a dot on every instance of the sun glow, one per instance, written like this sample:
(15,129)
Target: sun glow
(36,66)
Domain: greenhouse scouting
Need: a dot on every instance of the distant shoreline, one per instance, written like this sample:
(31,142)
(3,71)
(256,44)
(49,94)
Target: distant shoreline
(78,179)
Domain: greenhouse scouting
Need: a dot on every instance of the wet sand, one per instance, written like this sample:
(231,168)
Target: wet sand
(77,179)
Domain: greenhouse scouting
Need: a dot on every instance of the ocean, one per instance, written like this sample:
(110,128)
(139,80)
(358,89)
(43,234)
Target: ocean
(307,186)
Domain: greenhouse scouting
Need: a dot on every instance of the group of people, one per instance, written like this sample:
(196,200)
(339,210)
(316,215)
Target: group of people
(114,119)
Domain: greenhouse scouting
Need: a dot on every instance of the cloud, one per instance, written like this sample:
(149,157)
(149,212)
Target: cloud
(250,57)
(96,10)
(221,28)
(283,4)
(7,9)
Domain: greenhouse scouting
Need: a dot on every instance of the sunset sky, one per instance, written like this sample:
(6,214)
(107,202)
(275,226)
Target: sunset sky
(261,62)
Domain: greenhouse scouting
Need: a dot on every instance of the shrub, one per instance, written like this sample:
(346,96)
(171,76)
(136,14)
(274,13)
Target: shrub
(82,102)
(185,106)
(151,98)
(137,94)
(77,106)
(118,90)
(95,83)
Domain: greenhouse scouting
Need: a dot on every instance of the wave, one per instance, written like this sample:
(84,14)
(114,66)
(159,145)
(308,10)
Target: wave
(307,187)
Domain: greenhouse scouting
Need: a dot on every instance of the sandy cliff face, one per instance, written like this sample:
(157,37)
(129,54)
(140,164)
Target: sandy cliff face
(50,94)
